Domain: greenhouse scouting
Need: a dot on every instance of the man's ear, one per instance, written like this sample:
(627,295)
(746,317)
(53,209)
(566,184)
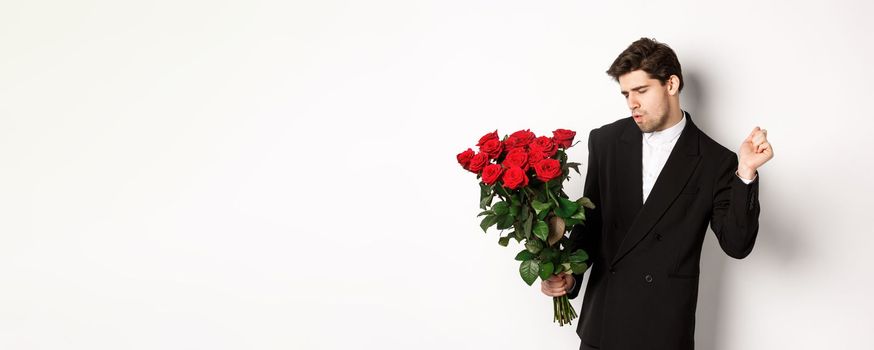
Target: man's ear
(673,85)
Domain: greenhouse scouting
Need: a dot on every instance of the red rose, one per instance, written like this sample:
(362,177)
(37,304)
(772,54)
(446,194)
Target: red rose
(478,162)
(492,147)
(545,145)
(535,155)
(547,169)
(520,138)
(515,178)
(564,138)
(517,157)
(487,137)
(491,173)
(464,157)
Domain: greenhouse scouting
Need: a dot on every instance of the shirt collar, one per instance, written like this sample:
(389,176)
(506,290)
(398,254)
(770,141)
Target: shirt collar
(667,135)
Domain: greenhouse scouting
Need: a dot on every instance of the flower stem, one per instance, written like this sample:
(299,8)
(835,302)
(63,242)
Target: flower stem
(563,310)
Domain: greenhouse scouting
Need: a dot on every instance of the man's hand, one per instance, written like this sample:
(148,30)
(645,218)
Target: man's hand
(755,151)
(556,285)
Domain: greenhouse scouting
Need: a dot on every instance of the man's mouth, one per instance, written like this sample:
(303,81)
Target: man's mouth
(637,117)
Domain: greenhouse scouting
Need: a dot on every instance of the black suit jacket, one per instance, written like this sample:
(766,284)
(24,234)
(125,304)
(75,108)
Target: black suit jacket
(644,257)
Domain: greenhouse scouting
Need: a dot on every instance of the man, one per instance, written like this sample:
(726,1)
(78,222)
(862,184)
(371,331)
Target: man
(657,181)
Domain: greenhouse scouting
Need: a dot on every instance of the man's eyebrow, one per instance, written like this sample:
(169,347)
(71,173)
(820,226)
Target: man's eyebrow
(635,88)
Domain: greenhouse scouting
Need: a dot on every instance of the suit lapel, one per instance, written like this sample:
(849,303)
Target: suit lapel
(629,172)
(678,169)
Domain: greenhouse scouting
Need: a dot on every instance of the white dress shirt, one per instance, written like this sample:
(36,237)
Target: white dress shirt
(657,146)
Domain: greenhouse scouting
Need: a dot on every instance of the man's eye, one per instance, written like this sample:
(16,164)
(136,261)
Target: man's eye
(642,91)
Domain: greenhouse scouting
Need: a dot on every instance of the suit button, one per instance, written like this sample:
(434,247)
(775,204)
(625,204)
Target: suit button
(648,278)
(612,271)
(658,236)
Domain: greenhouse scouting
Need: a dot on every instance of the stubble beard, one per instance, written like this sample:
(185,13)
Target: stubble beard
(650,125)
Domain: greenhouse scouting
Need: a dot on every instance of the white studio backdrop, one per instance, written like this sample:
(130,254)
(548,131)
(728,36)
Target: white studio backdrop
(281,175)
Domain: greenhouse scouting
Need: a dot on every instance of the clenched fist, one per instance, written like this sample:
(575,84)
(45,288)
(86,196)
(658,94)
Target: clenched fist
(754,151)
(557,285)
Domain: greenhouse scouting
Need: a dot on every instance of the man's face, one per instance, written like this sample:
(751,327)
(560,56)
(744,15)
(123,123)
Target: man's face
(647,98)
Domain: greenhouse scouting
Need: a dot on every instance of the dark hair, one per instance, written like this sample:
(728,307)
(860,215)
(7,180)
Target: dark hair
(653,57)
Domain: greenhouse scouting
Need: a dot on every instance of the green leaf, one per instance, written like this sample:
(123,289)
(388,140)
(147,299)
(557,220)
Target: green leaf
(484,190)
(501,208)
(579,268)
(504,241)
(571,222)
(514,210)
(548,254)
(580,214)
(585,202)
(529,270)
(540,206)
(502,191)
(543,214)
(546,270)
(488,221)
(566,208)
(533,245)
(486,212)
(527,224)
(505,222)
(524,255)
(550,195)
(486,201)
(575,166)
(541,230)
(578,256)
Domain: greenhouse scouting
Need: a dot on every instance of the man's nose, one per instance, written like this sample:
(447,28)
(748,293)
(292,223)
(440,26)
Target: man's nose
(632,103)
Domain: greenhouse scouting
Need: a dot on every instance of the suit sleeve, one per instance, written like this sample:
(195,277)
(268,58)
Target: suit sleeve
(735,216)
(587,235)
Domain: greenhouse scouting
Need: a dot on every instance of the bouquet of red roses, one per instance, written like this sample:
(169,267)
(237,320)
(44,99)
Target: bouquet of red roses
(526,172)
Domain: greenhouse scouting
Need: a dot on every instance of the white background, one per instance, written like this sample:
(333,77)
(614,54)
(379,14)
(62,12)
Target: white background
(282,175)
